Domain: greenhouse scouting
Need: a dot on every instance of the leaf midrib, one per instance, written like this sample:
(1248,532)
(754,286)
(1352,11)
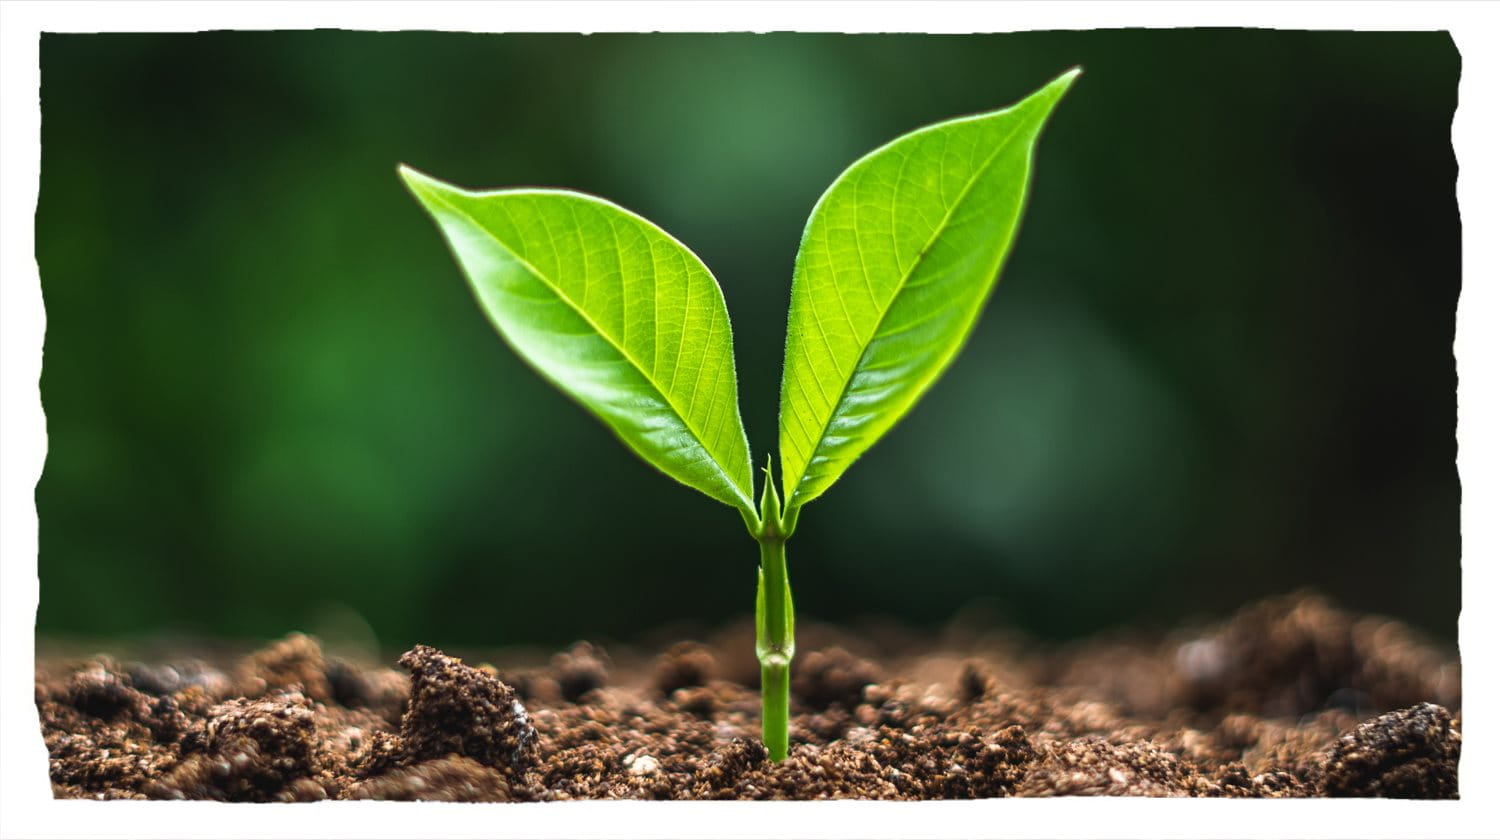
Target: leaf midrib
(561,295)
(886,310)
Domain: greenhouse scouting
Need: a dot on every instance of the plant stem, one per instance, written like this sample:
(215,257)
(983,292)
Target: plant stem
(774,621)
(774,644)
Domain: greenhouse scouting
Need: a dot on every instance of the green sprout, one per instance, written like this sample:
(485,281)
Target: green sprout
(895,264)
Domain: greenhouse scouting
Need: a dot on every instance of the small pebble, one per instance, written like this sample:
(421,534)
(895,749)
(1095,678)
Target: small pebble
(641,765)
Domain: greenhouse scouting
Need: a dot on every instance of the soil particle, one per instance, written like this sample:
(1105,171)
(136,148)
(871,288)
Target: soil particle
(1235,780)
(832,676)
(99,691)
(884,764)
(1094,767)
(532,685)
(163,680)
(456,709)
(727,767)
(696,700)
(1407,754)
(580,670)
(1287,656)
(381,691)
(1297,748)
(641,765)
(1118,716)
(247,751)
(100,759)
(453,778)
(1278,658)
(293,664)
(991,764)
(973,682)
(684,665)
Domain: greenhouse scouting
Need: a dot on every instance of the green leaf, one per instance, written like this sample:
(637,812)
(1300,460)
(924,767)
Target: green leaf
(896,263)
(614,312)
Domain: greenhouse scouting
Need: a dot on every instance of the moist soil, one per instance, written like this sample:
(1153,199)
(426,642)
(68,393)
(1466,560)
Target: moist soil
(1291,697)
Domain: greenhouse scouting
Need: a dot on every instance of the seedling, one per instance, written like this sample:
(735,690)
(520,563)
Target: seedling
(895,265)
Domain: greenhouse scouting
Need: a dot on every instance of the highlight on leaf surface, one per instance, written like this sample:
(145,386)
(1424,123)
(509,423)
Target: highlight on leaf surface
(896,262)
(614,312)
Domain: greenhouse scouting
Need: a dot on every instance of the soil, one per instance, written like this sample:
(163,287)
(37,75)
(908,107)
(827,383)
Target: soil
(1291,697)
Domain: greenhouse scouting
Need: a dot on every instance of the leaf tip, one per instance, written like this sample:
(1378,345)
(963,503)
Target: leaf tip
(421,184)
(1055,89)
(1039,105)
(411,175)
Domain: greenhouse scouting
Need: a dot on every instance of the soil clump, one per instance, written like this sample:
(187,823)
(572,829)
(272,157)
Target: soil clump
(1292,697)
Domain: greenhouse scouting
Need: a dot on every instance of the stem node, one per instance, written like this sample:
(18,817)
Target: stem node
(774,624)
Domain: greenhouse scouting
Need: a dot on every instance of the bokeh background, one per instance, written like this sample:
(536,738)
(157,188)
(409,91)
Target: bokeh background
(1219,364)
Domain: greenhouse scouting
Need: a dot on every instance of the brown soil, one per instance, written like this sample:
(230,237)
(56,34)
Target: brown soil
(1291,697)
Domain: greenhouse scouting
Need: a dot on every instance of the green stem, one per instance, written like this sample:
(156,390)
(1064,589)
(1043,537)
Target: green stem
(774,621)
(774,644)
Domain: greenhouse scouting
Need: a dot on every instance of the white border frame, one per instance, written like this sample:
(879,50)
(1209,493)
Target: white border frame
(26,806)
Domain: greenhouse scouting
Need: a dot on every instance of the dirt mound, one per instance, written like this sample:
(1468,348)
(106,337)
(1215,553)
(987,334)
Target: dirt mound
(1291,697)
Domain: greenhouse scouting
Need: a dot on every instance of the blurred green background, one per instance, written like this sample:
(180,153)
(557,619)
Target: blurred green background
(1219,364)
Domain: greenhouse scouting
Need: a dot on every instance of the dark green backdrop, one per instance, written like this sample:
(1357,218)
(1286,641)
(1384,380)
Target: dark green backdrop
(1219,364)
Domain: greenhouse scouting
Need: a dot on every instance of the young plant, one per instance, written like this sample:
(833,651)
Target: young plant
(895,265)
